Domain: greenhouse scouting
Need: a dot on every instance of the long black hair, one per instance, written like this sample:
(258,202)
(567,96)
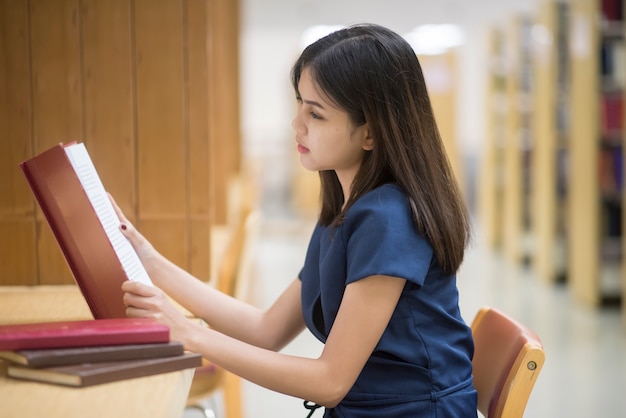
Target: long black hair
(374,75)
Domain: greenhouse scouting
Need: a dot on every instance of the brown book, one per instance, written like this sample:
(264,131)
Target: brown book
(63,356)
(90,374)
(76,206)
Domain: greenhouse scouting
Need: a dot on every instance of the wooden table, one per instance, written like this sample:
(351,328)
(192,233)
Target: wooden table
(159,396)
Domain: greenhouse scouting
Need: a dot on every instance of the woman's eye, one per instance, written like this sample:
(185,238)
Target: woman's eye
(315,115)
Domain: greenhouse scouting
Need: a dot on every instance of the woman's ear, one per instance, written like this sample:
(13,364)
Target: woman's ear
(368,141)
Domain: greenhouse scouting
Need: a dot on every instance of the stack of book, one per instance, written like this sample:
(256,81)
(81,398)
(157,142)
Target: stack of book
(91,352)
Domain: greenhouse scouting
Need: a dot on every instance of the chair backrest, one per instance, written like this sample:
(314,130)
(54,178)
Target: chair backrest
(507,360)
(228,271)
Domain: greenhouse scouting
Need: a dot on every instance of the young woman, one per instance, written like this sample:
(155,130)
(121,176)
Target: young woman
(378,284)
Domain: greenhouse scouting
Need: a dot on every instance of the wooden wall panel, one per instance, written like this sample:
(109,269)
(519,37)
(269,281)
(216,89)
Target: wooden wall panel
(57,103)
(224,123)
(197,88)
(169,236)
(15,107)
(18,252)
(162,150)
(217,166)
(56,71)
(109,96)
(199,251)
(17,237)
(231,79)
(137,81)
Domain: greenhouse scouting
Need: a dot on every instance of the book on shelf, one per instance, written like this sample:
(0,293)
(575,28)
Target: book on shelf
(612,10)
(90,374)
(611,172)
(612,115)
(82,333)
(75,204)
(48,357)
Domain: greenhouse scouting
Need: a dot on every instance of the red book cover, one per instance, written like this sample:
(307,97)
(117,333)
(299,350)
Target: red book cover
(83,221)
(92,332)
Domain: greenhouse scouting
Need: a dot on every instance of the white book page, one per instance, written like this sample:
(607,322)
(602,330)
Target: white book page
(88,176)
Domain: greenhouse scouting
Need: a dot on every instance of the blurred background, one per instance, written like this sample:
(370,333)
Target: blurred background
(459,61)
(185,107)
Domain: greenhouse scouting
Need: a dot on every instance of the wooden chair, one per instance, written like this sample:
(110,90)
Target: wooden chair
(209,377)
(206,380)
(507,360)
(232,279)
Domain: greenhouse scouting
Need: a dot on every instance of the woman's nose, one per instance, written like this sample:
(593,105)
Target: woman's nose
(297,124)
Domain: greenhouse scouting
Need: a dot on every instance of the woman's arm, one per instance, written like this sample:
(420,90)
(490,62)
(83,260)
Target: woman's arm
(271,329)
(249,336)
(364,314)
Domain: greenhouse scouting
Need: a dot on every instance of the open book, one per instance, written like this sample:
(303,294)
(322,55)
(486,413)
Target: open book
(75,204)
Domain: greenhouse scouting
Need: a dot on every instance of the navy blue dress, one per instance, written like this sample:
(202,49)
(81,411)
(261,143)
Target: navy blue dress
(421,367)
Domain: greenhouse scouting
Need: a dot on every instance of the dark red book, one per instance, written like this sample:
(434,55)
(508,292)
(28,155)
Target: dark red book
(89,374)
(76,206)
(47,357)
(92,332)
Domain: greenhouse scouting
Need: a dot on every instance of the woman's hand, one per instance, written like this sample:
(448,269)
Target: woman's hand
(142,246)
(143,301)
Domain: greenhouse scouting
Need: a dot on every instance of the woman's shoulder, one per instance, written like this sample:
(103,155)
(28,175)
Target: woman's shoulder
(388,197)
(386,204)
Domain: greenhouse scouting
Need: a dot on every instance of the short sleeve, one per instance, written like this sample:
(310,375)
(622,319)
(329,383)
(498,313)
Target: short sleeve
(381,238)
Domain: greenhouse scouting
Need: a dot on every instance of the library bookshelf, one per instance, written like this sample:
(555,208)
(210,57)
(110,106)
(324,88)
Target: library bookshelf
(550,132)
(596,197)
(505,189)
(518,146)
(491,176)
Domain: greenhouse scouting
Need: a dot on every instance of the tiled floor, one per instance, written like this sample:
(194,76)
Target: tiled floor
(585,371)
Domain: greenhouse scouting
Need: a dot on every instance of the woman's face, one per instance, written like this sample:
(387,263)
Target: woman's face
(326,138)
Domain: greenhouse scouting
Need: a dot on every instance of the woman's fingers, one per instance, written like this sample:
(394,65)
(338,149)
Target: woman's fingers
(140,243)
(133,312)
(126,226)
(138,288)
(117,209)
(142,300)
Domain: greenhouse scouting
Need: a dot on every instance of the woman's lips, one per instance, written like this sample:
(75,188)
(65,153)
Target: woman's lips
(302,149)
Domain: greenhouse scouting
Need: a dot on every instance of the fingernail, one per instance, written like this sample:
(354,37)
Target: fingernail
(123,226)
